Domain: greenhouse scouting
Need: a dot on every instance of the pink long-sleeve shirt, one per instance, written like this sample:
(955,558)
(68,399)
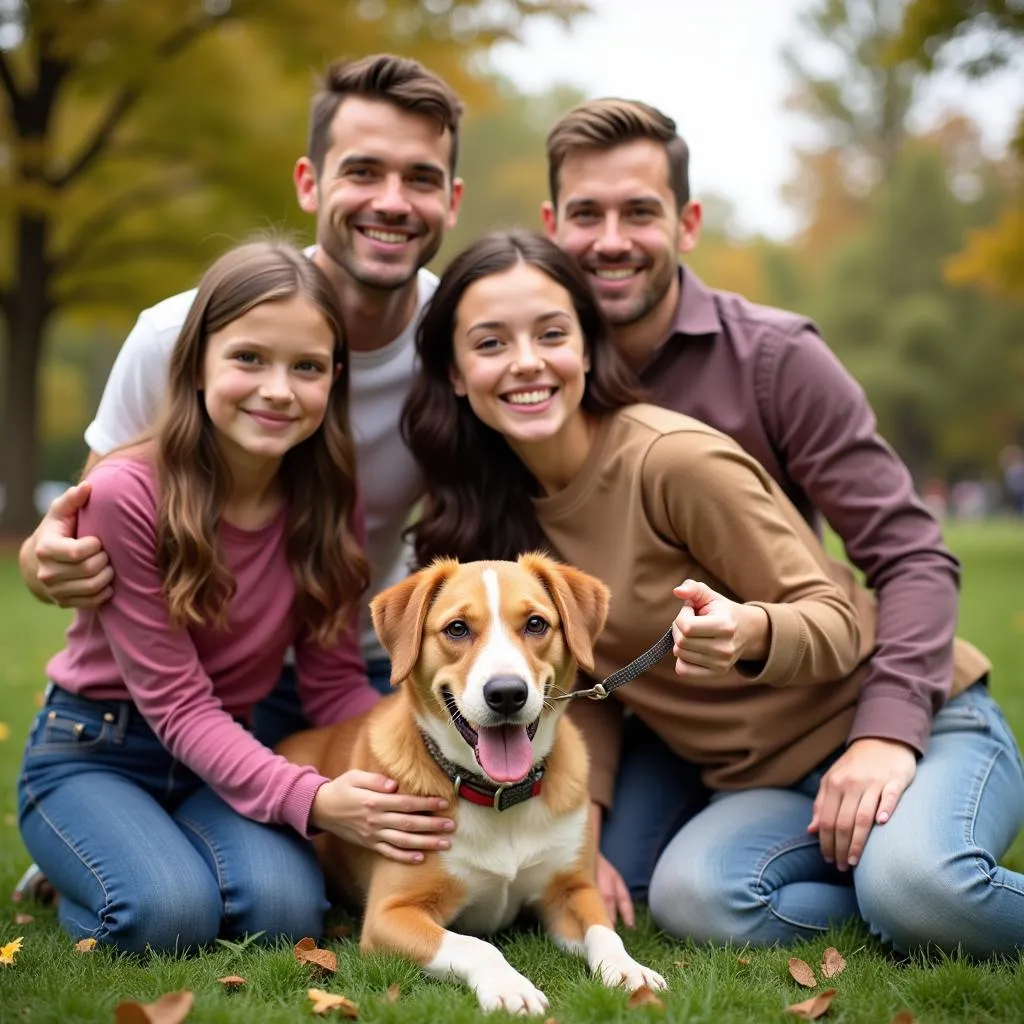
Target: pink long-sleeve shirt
(194,686)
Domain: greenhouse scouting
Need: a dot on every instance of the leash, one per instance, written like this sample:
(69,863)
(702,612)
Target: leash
(626,674)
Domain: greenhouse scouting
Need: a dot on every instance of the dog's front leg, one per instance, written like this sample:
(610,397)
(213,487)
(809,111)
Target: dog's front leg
(407,923)
(576,918)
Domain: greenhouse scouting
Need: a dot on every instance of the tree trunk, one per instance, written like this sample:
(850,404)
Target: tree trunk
(28,309)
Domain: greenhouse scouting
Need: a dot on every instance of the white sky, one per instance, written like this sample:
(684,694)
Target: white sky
(714,66)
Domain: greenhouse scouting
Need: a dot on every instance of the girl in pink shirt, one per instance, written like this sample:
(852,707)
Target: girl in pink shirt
(158,817)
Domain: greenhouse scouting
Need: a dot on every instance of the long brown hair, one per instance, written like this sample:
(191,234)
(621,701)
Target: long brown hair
(317,476)
(478,491)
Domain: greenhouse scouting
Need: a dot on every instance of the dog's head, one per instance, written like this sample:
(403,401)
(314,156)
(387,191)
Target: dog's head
(482,645)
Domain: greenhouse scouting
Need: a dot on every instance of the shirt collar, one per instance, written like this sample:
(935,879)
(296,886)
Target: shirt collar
(696,313)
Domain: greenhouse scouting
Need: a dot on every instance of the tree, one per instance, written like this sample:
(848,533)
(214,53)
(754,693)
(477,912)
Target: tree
(137,139)
(993,259)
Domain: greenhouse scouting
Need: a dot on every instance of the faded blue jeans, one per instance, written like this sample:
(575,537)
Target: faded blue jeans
(746,870)
(142,852)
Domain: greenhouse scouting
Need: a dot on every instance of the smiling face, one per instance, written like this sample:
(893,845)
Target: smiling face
(520,358)
(384,196)
(618,217)
(266,379)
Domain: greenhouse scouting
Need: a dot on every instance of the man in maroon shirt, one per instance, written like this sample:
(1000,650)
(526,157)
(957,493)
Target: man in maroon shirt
(620,204)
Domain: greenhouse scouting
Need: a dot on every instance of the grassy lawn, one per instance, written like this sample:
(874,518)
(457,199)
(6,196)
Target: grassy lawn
(50,982)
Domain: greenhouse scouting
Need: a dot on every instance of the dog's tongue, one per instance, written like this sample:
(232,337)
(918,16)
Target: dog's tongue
(504,752)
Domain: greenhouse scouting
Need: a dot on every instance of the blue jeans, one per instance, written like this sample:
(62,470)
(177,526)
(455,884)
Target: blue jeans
(280,714)
(142,852)
(746,870)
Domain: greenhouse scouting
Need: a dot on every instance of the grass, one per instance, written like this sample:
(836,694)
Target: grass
(49,982)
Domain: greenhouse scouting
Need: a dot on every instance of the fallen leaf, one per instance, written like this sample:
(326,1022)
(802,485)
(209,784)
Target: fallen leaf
(325,1002)
(392,993)
(813,1008)
(800,971)
(10,951)
(551,1020)
(904,1017)
(23,918)
(85,945)
(169,1009)
(832,962)
(5,731)
(306,951)
(338,931)
(232,981)
(742,960)
(643,996)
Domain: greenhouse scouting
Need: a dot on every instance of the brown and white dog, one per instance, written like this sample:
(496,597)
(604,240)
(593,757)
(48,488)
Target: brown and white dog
(478,648)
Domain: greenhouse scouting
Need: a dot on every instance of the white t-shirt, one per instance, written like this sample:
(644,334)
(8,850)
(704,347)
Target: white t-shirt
(389,479)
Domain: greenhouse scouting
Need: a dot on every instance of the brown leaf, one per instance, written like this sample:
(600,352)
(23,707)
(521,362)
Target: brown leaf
(85,945)
(551,1020)
(23,918)
(742,960)
(392,994)
(232,981)
(306,951)
(338,931)
(800,971)
(832,962)
(643,996)
(169,1009)
(813,1008)
(326,1002)
(904,1017)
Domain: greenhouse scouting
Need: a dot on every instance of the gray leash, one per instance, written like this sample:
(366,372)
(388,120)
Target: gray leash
(626,674)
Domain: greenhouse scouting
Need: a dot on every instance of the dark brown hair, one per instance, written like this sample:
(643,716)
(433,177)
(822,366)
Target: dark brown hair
(317,475)
(607,123)
(400,81)
(478,491)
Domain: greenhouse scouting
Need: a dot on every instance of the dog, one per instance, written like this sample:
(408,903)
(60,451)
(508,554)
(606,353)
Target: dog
(476,651)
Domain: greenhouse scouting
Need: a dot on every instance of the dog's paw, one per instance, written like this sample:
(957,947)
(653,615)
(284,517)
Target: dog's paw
(511,992)
(630,975)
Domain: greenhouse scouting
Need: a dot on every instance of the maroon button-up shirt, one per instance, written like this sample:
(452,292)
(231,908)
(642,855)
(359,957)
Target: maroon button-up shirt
(765,377)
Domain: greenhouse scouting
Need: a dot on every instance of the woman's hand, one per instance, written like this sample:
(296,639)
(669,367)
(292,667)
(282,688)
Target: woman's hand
(711,633)
(364,808)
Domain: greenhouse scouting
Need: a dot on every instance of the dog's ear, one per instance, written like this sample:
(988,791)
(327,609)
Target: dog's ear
(399,612)
(581,599)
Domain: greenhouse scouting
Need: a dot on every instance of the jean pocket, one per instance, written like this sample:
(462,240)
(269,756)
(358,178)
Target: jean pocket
(71,730)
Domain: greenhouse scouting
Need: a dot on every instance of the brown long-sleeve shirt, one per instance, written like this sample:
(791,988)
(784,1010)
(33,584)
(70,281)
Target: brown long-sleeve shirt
(765,377)
(663,498)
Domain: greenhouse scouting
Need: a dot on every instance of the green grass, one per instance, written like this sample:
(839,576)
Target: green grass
(49,982)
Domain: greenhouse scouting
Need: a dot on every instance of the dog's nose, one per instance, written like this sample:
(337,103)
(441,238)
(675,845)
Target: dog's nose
(505,694)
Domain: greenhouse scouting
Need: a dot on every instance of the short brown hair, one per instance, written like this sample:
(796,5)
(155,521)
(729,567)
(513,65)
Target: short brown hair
(400,81)
(608,123)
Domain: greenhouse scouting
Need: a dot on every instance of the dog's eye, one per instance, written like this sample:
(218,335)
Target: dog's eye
(456,630)
(536,626)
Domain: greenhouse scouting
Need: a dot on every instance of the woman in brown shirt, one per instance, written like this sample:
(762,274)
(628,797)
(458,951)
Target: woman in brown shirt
(529,436)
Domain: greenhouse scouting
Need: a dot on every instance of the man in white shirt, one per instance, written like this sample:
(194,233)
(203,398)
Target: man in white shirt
(379,176)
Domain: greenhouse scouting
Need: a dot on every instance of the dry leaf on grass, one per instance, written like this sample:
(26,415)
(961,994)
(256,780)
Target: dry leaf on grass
(643,996)
(832,962)
(169,1009)
(85,945)
(10,951)
(800,971)
(338,931)
(392,993)
(328,1002)
(813,1008)
(307,952)
(23,918)
(551,1020)
(231,982)
(743,960)
(904,1017)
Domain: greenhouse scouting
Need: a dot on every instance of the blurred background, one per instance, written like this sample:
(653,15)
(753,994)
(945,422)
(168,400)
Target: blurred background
(861,161)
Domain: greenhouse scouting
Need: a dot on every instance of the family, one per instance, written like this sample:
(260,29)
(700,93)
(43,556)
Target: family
(816,750)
